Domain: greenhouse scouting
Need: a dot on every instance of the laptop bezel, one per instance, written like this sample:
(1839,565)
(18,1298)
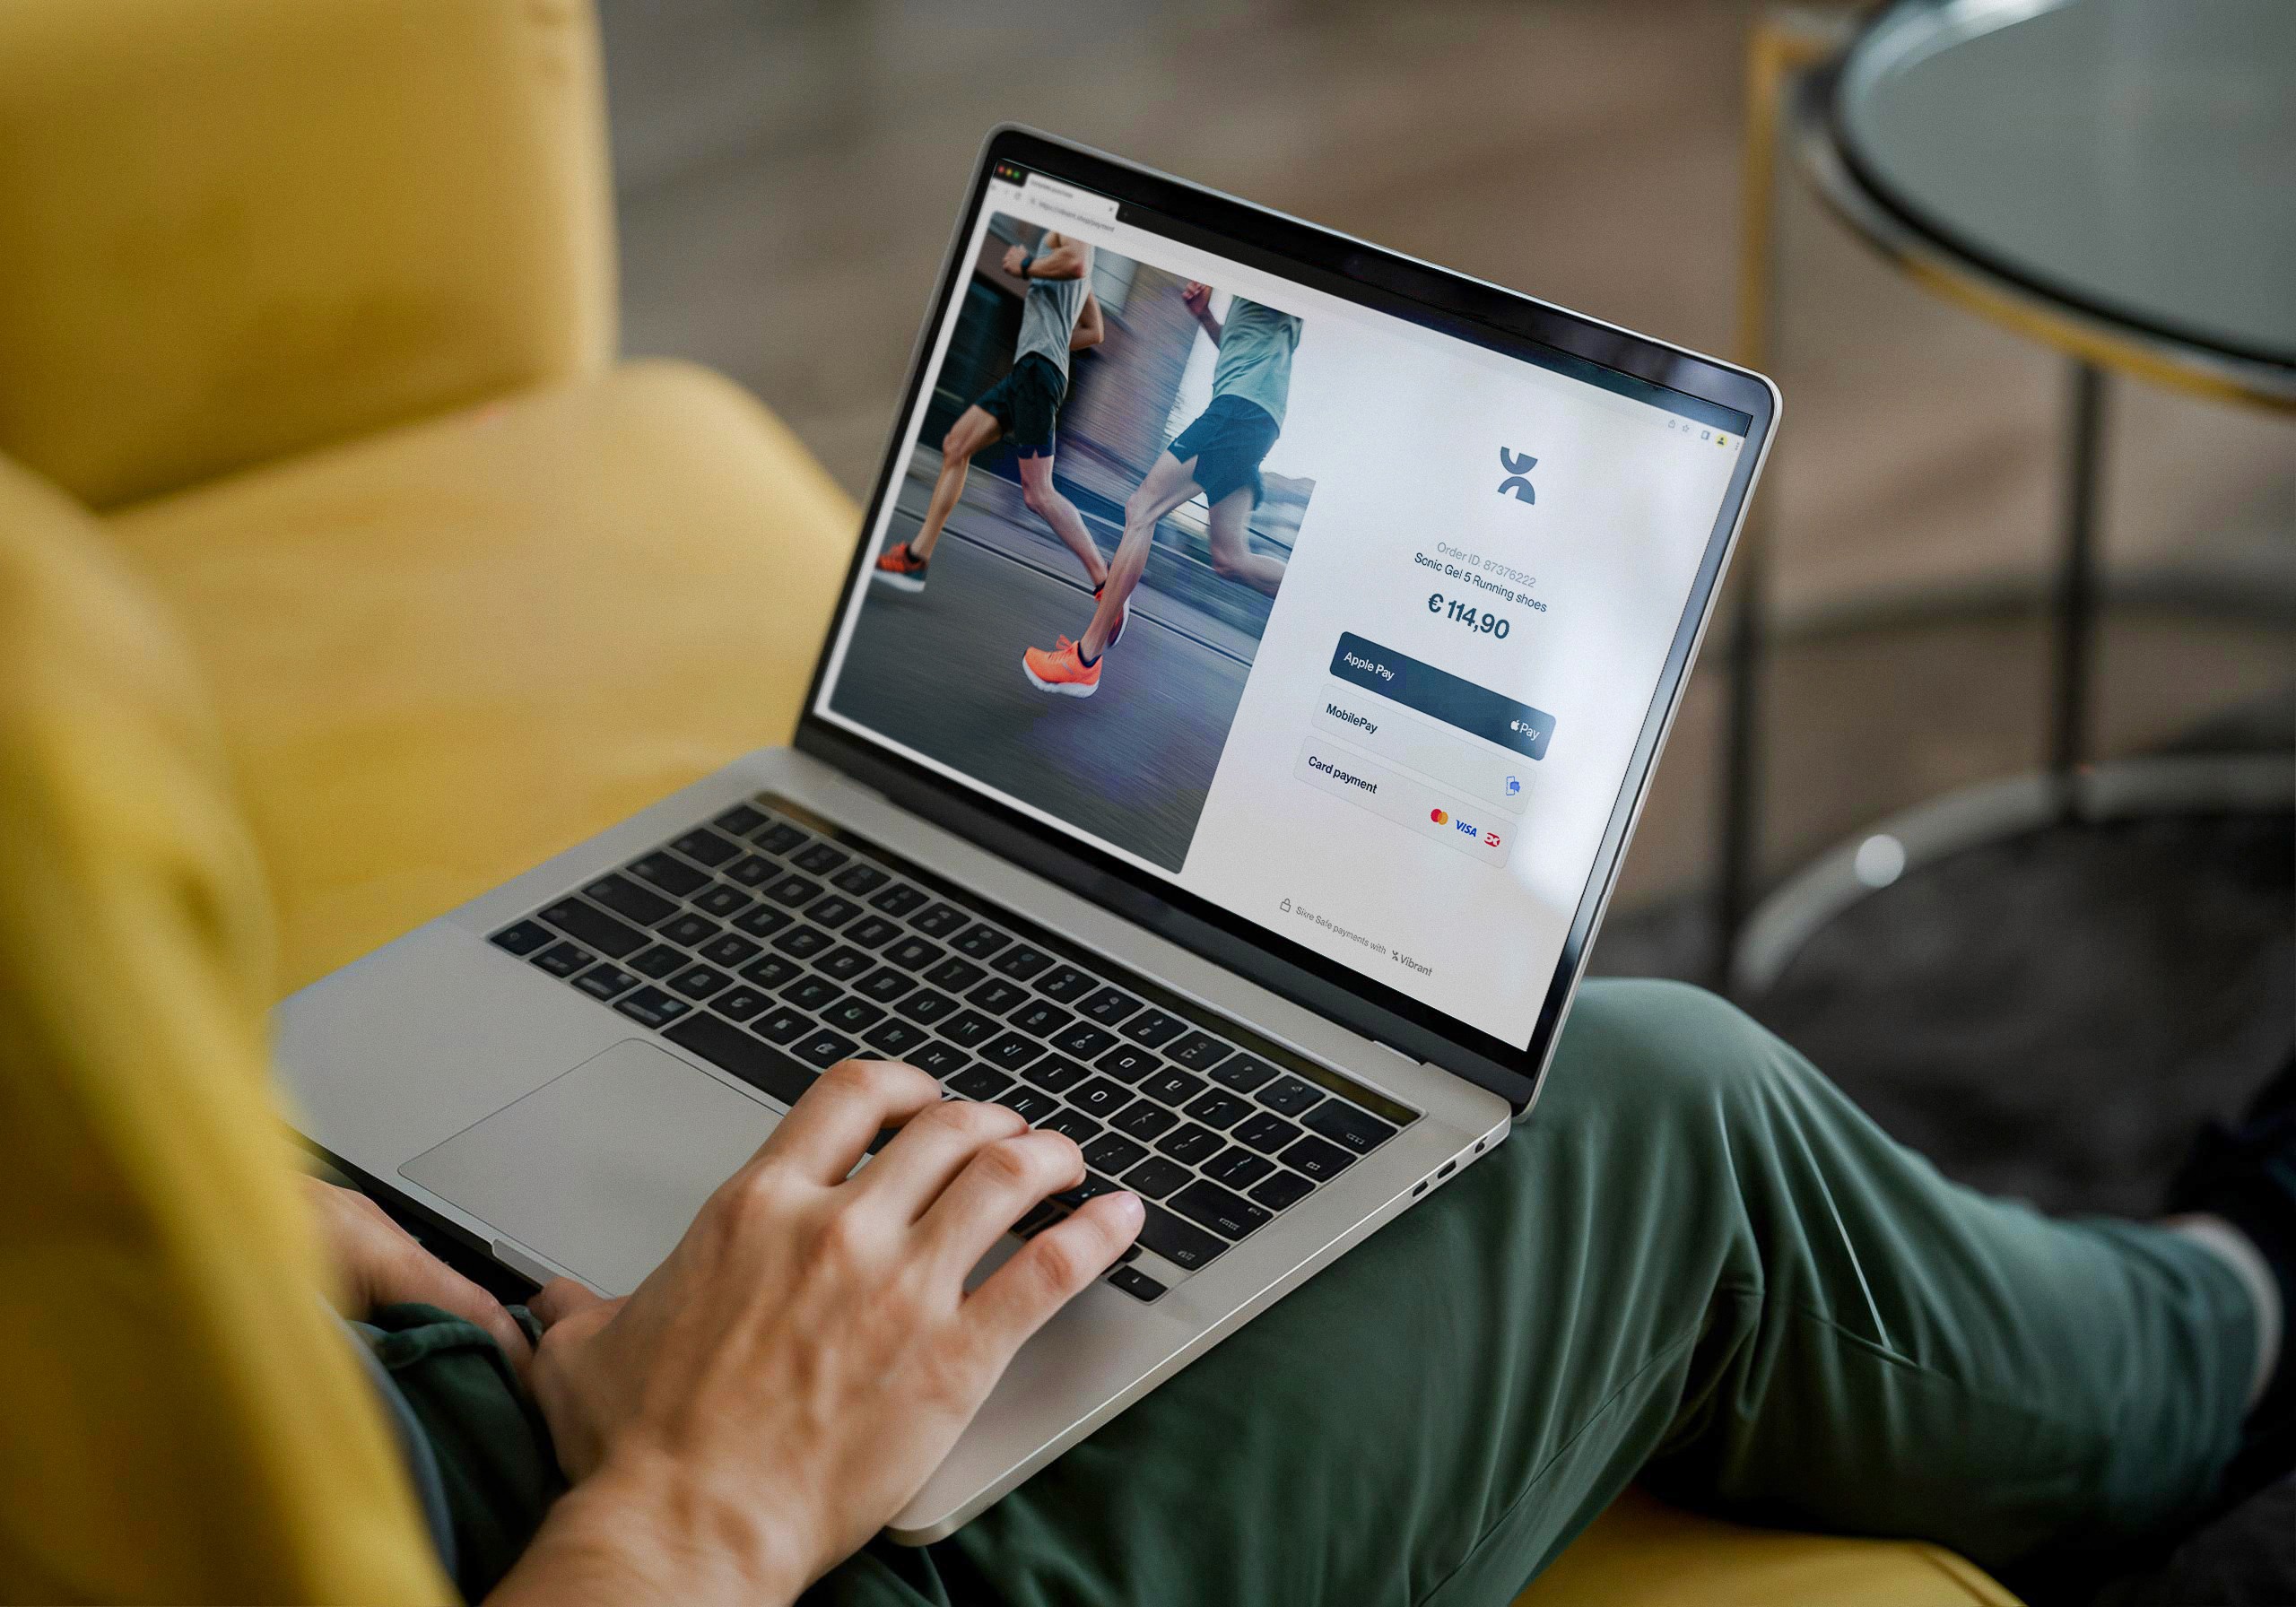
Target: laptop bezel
(1453,304)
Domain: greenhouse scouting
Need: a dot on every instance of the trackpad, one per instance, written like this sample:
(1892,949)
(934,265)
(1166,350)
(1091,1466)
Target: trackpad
(602,1169)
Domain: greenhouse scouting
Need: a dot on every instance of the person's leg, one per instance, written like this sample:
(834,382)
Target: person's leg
(975,431)
(1050,504)
(1167,483)
(1228,531)
(1696,1261)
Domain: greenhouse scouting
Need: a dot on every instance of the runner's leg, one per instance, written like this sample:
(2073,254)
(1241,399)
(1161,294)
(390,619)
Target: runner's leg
(1167,483)
(975,430)
(1232,558)
(1048,503)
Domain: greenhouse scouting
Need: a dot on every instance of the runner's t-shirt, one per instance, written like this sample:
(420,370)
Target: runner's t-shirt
(1048,317)
(1256,347)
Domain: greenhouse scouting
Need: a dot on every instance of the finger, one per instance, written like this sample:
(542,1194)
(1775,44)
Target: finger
(1053,1269)
(420,1277)
(826,1131)
(997,1187)
(925,1156)
(560,1299)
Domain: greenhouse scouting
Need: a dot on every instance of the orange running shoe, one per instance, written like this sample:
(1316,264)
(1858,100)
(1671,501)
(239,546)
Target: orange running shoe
(901,568)
(1062,671)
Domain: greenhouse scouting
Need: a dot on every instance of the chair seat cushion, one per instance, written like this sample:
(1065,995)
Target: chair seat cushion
(445,652)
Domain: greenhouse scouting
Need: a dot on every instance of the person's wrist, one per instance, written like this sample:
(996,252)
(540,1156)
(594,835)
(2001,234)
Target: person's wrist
(648,1530)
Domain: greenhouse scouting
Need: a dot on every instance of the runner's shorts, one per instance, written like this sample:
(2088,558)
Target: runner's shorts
(1227,440)
(1024,404)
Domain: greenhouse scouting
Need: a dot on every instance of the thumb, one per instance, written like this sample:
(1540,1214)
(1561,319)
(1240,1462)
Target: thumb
(560,1299)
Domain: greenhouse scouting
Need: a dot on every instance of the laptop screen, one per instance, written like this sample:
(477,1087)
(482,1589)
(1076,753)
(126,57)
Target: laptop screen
(1344,624)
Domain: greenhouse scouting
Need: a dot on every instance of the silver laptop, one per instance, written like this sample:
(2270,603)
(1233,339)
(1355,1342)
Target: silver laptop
(1277,906)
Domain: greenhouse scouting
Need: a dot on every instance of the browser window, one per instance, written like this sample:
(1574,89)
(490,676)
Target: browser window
(1343,624)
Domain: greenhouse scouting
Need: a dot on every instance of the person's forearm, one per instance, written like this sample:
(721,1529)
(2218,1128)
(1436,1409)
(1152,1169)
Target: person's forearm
(618,1539)
(1211,325)
(1062,262)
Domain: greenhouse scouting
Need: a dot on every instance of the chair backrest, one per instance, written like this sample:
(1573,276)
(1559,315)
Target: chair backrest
(232,230)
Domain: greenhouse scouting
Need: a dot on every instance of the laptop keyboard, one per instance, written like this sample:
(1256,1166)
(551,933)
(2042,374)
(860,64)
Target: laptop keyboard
(774,950)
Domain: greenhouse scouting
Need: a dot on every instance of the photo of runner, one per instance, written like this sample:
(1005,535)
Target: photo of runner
(1099,463)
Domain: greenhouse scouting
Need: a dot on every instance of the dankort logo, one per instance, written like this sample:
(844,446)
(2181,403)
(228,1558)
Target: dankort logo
(1517,483)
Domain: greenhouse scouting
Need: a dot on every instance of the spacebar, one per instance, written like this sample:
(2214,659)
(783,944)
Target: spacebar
(759,1065)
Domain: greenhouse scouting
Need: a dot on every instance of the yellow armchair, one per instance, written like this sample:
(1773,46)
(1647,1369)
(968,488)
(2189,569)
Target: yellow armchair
(314,304)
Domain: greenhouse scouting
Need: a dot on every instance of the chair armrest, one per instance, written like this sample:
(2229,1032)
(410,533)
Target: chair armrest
(230,230)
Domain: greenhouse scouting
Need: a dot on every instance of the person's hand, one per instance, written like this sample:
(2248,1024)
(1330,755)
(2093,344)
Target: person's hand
(1196,297)
(797,1367)
(377,1262)
(1013,259)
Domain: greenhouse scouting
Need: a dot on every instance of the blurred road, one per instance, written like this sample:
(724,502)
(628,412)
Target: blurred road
(941,673)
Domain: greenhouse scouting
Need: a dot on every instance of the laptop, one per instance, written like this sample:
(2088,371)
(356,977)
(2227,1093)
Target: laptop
(1277,906)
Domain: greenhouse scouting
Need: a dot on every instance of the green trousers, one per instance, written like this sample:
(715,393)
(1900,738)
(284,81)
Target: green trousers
(1698,1265)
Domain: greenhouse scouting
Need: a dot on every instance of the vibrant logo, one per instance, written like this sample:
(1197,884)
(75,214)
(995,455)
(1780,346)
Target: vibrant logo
(1516,484)
(1463,826)
(1439,817)
(1491,840)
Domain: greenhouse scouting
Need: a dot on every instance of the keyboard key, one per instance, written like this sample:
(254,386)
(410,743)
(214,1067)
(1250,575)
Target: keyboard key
(1344,1124)
(859,879)
(914,955)
(603,981)
(884,984)
(794,890)
(1222,1210)
(769,971)
(1217,1109)
(1200,1050)
(968,1029)
(587,924)
(1111,1154)
(1313,1157)
(651,1007)
(1183,1244)
(996,995)
(1173,1088)
(628,900)
(831,911)
(824,1048)
(739,1004)
(1265,1133)
(1102,1096)
(722,900)
(1042,1017)
(940,920)
(752,870)
(564,959)
(1110,1006)
(1137,1283)
(1191,1143)
(813,993)
(1094,1186)
(522,939)
(1041,1216)
(1155,1177)
(781,838)
(782,1023)
(819,857)
(1073,1124)
(1143,1119)
(939,1059)
(740,820)
(700,981)
(844,962)
(659,961)
(1153,1027)
(1012,1051)
(1288,1096)
(1067,983)
(1054,1073)
(1236,1167)
(954,973)
(729,951)
(854,1015)
(1021,962)
(1034,1105)
(763,921)
(1283,1191)
(1242,1073)
(690,931)
(872,932)
(1127,1064)
(768,1071)
(706,847)
(895,1036)
(981,1082)
(674,876)
(897,900)
(925,1006)
(802,941)
(1083,1041)
(979,941)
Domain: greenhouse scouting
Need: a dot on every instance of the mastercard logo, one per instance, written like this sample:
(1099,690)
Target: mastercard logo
(1439,817)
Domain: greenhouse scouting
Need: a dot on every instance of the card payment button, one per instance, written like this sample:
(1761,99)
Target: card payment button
(1475,831)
